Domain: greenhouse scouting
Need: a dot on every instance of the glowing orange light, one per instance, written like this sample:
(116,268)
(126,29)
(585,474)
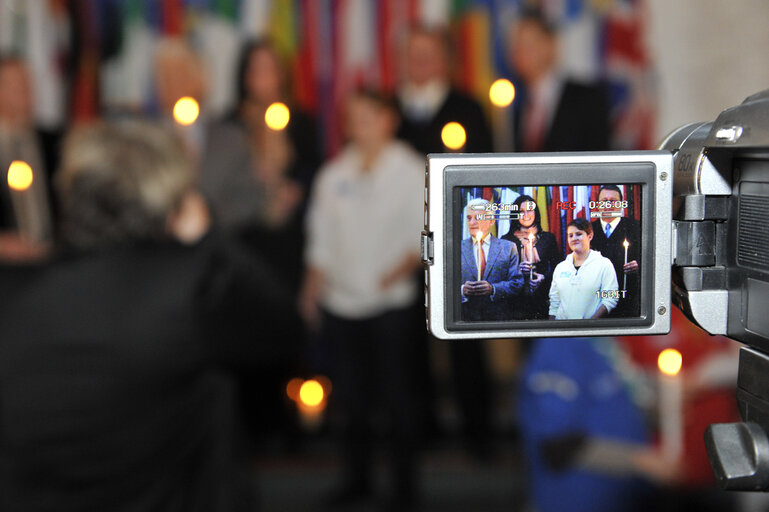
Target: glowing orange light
(626,244)
(453,135)
(20,176)
(277,116)
(311,393)
(186,111)
(293,387)
(502,93)
(670,361)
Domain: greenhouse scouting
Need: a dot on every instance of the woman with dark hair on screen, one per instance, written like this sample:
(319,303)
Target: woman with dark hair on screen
(539,245)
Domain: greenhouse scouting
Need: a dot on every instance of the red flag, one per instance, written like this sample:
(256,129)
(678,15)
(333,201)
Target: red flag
(172,14)
(305,62)
(554,215)
(637,202)
(570,213)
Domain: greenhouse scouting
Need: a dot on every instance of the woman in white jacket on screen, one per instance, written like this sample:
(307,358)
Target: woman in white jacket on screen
(585,283)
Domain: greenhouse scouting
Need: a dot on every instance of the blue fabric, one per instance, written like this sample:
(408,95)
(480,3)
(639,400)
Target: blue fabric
(570,387)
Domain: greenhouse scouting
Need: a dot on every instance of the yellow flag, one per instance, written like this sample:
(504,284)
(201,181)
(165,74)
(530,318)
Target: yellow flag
(542,207)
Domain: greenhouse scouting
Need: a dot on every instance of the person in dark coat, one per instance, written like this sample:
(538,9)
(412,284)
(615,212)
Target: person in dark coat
(427,102)
(257,181)
(553,113)
(26,216)
(610,234)
(112,394)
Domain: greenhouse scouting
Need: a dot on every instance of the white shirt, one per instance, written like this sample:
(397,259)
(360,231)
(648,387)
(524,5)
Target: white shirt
(579,293)
(613,223)
(361,225)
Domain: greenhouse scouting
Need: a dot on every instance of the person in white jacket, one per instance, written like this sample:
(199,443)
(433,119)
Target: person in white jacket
(585,283)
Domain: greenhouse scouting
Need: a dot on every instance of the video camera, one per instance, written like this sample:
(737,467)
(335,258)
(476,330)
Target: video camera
(695,220)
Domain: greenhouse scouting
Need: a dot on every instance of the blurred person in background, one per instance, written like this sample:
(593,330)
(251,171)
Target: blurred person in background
(26,215)
(112,396)
(256,179)
(583,429)
(254,174)
(363,228)
(179,73)
(557,114)
(708,378)
(545,252)
(428,101)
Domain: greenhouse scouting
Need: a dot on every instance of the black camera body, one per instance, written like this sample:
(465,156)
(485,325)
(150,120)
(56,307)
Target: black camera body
(701,207)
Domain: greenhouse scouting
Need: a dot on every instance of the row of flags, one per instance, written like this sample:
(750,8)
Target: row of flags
(552,218)
(94,56)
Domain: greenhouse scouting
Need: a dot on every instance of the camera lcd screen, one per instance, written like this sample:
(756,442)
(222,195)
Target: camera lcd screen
(547,253)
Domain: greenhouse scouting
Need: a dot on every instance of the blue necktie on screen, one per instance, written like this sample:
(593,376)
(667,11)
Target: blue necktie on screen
(608,230)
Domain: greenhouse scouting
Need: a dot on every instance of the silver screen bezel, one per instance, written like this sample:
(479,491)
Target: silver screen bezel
(652,169)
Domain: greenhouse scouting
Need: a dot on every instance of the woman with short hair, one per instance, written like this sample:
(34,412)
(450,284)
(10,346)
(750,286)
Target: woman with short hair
(585,283)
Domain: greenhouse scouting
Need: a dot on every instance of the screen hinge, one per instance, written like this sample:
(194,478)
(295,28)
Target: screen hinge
(428,251)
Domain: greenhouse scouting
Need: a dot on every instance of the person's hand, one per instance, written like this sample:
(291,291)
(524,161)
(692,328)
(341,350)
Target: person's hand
(535,281)
(630,267)
(655,466)
(478,288)
(275,155)
(191,220)
(309,308)
(525,267)
(389,279)
(14,248)
(284,199)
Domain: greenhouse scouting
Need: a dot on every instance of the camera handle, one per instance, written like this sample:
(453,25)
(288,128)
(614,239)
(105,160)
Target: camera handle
(739,452)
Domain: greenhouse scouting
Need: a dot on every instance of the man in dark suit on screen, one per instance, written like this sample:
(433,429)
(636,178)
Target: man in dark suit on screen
(490,297)
(553,113)
(610,233)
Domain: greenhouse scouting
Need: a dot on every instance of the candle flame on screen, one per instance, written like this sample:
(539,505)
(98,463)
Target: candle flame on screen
(502,93)
(670,361)
(277,116)
(186,111)
(20,176)
(453,135)
(626,243)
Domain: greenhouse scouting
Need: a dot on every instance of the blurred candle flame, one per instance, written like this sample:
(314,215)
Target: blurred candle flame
(186,111)
(670,361)
(453,135)
(502,93)
(20,176)
(277,116)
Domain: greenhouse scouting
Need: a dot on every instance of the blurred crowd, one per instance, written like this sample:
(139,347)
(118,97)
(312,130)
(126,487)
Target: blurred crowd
(163,280)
